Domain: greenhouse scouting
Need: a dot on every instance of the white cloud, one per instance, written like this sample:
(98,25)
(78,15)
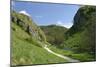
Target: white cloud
(25,13)
(67,25)
(59,23)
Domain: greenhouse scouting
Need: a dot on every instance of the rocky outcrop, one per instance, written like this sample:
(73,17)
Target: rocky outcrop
(26,23)
(84,16)
(82,35)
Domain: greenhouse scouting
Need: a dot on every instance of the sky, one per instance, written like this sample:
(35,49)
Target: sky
(47,13)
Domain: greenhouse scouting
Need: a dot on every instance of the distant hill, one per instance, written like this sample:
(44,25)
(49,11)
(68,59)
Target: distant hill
(54,34)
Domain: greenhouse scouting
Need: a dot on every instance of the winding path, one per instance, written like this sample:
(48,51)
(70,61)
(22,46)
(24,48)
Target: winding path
(59,55)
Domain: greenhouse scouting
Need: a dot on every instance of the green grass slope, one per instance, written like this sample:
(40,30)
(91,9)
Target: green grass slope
(26,49)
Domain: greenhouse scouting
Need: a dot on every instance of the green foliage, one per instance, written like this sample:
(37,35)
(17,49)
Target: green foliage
(81,37)
(28,39)
(84,16)
(27,25)
(26,48)
(54,34)
(82,57)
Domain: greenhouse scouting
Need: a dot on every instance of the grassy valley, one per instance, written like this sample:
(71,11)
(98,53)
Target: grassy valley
(78,42)
(26,48)
(28,39)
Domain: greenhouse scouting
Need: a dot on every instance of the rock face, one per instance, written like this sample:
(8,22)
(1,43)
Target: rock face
(85,15)
(83,31)
(26,23)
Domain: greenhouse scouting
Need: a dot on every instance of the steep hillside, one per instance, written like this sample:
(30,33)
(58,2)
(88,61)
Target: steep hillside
(84,18)
(54,34)
(27,41)
(27,25)
(81,37)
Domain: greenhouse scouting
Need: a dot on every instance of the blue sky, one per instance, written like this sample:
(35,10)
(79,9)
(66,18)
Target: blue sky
(47,13)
